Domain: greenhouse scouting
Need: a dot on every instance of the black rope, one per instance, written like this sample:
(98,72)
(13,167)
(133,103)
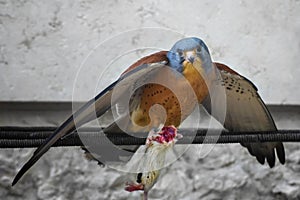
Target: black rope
(28,137)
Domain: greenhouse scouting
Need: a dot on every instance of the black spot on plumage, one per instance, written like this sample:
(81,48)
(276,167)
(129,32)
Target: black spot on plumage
(237,90)
(139,178)
(242,92)
(228,88)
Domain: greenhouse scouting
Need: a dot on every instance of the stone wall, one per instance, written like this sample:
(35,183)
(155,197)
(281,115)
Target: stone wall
(43,44)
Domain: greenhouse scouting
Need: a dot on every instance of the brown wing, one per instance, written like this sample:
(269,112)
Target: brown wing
(153,58)
(246,111)
(98,105)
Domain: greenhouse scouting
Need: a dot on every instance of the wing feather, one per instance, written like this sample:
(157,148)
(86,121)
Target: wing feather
(99,105)
(246,111)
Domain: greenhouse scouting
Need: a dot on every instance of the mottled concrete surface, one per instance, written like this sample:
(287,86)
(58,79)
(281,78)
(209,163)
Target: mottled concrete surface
(228,172)
(42,43)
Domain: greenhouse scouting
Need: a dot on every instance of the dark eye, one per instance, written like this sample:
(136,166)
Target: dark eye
(198,50)
(181,56)
(180,53)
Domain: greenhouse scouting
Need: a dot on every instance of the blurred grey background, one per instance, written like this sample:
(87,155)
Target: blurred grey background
(53,52)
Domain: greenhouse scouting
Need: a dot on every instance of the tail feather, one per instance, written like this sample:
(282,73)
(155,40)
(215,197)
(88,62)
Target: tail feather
(95,107)
(39,152)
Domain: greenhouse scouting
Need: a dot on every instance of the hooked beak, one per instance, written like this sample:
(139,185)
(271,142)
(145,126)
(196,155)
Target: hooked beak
(190,56)
(193,58)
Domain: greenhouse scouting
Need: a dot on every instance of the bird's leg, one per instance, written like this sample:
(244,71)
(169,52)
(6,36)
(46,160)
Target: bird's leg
(145,195)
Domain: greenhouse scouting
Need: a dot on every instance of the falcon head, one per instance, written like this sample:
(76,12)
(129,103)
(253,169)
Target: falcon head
(190,50)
